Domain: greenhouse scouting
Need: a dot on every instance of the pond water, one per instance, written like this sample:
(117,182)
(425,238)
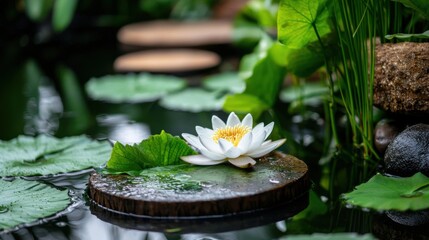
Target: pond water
(37,97)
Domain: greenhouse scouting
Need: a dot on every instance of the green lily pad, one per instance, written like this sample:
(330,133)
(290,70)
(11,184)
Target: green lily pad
(297,20)
(405,36)
(27,201)
(42,155)
(143,87)
(392,193)
(158,150)
(194,100)
(228,81)
(330,236)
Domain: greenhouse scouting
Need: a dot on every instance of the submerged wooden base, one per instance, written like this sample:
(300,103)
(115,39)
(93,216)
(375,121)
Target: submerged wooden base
(192,191)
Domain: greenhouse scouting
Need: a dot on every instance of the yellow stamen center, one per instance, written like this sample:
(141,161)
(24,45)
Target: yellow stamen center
(232,134)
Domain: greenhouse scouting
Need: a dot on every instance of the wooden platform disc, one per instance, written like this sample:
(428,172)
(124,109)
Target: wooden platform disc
(176,34)
(194,191)
(167,61)
(203,224)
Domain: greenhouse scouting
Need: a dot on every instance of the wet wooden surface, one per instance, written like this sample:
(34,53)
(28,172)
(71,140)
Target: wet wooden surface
(192,191)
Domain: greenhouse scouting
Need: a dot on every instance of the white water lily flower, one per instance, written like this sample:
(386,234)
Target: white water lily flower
(236,141)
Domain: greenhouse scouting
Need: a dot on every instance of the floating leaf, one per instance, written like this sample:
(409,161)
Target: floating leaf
(298,20)
(42,155)
(228,81)
(194,100)
(143,87)
(27,201)
(330,236)
(392,193)
(405,36)
(63,13)
(158,150)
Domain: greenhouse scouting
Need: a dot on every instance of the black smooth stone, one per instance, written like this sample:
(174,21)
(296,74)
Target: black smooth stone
(408,153)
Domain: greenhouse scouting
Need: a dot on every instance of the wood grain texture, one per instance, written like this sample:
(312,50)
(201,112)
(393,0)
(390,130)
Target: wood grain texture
(273,181)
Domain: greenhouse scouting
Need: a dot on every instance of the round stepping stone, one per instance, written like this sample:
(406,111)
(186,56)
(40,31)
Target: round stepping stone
(195,191)
(167,61)
(176,34)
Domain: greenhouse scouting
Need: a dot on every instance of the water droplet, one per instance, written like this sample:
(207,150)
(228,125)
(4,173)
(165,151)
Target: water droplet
(61,224)
(274,181)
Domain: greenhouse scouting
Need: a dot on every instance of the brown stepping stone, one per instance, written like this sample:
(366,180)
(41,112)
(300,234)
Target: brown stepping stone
(176,34)
(167,61)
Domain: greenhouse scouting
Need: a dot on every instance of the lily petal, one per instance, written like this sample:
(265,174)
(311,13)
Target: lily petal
(258,128)
(212,155)
(200,160)
(242,162)
(209,144)
(263,150)
(225,145)
(193,140)
(233,153)
(257,138)
(248,121)
(232,120)
(204,131)
(245,142)
(268,129)
(217,122)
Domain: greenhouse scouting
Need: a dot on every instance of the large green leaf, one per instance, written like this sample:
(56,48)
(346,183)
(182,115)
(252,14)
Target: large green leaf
(420,6)
(261,12)
(245,103)
(266,80)
(330,236)
(194,100)
(298,21)
(63,13)
(263,74)
(406,36)
(392,193)
(252,20)
(227,81)
(27,201)
(42,155)
(133,88)
(158,150)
